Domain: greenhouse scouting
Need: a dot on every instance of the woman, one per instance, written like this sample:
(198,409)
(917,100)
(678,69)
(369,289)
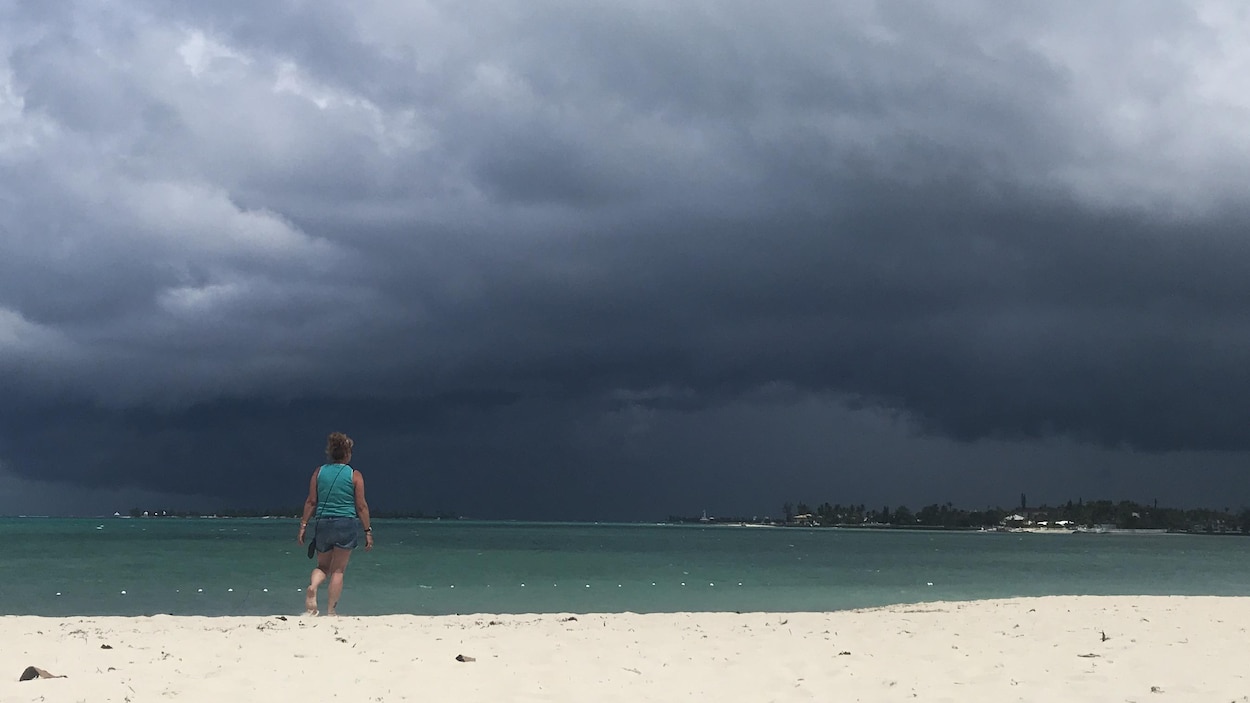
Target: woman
(337,494)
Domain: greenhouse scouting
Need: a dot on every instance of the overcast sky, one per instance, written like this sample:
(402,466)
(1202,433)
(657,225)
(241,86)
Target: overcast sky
(619,260)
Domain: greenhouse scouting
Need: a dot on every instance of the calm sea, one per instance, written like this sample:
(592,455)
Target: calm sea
(235,567)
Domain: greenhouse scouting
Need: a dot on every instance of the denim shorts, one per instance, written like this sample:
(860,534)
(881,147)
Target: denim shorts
(341,532)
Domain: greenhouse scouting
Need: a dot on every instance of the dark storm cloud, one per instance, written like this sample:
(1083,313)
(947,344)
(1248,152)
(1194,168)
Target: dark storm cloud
(472,230)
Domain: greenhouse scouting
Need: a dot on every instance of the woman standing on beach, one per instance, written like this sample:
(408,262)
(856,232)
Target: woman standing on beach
(337,495)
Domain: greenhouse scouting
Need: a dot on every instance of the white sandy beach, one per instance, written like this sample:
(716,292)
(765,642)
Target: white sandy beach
(1043,649)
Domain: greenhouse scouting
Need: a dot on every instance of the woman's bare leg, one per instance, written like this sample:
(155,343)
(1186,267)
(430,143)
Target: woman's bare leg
(338,564)
(314,581)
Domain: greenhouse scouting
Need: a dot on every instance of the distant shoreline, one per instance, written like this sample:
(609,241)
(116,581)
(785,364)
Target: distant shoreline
(694,522)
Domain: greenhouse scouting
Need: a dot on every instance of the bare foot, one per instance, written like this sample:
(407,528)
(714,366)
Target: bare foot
(310,601)
(311,613)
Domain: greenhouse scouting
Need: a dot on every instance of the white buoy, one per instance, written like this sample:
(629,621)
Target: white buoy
(453,585)
(123,593)
(522,585)
(683,583)
(58,593)
(587,585)
(266,590)
(930,583)
(229,590)
(711,584)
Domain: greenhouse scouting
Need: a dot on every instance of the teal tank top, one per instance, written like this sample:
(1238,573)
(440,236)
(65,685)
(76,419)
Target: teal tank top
(336,496)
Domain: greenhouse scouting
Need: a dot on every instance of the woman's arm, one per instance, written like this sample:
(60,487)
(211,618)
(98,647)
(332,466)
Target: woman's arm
(310,504)
(362,508)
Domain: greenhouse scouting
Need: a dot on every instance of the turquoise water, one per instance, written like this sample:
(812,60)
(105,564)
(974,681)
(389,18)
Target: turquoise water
(237,567)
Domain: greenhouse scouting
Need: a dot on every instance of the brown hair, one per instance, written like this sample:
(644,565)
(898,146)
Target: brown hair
(338,446)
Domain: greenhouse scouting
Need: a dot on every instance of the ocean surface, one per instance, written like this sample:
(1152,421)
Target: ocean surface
(115,566)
